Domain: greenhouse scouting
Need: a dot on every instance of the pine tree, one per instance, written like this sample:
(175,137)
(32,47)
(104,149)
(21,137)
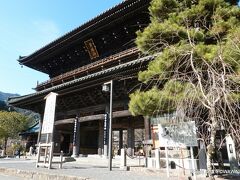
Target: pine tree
(196,70)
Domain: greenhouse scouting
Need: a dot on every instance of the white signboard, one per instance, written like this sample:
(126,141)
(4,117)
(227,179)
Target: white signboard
(182,134)
(49,113)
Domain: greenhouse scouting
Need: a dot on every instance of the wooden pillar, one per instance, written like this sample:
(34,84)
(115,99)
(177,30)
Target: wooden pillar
(120,139)
(130,140)
(147,127)
(100,137)
(76,138)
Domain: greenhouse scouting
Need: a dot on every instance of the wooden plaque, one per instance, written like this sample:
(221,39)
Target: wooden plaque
(91,49)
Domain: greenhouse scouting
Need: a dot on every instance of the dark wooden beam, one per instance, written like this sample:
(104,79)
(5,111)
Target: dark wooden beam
(100,107)
(65,121)
(116,114)
(92,118)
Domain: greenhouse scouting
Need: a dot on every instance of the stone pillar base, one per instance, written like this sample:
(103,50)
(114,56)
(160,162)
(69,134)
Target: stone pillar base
(74,154)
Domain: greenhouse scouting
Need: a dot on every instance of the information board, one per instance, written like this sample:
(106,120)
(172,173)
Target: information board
(181,134)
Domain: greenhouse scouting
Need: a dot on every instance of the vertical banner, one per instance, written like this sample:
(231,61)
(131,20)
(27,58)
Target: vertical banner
(105,135)
(49,113)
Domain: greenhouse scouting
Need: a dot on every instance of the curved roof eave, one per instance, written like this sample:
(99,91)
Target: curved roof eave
(123,6)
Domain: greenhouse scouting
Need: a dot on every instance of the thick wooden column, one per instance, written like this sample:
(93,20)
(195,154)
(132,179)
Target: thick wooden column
(130,139)
(147,127)
(76,138)
(120,139)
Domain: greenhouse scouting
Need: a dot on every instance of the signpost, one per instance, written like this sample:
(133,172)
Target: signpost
(181,134)
(47,129)
(49,113)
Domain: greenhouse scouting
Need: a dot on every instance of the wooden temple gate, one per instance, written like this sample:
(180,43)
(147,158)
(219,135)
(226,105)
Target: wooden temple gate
(78,64)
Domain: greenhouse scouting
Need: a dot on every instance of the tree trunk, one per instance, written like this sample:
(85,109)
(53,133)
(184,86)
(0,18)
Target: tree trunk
(211,146)
(147,126)
(220,160)
(5,145)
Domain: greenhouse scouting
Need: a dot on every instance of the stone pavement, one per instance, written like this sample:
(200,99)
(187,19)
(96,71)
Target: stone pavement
(71,170)
(9,177)
(84,169)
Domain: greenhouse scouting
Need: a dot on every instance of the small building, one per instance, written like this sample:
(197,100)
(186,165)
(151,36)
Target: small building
(30,136)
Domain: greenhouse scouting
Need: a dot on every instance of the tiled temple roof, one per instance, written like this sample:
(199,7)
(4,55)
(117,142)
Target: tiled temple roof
(90,77)
(116,11)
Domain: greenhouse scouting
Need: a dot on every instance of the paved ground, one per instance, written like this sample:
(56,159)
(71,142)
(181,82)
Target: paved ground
(79,169)
(7,177)
(85,169)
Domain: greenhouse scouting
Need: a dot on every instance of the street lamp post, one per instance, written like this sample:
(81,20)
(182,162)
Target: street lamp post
(108,87)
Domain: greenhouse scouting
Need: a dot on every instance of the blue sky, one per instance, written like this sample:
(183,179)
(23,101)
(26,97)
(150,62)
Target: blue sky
(27,25)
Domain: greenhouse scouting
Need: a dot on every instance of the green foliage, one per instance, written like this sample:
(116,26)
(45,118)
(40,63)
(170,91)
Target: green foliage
(181,32)
(206,52)
(231,50)
(18,146)
(147,102)
(11,123)
(157,101)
